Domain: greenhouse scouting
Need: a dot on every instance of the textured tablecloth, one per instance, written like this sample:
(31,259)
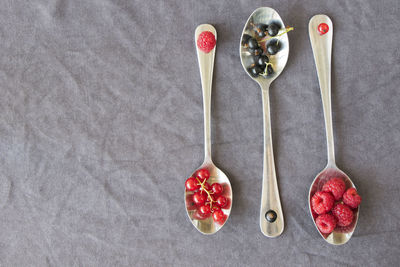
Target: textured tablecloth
(101,123)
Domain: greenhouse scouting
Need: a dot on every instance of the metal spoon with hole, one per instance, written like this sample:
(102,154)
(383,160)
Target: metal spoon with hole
(322,49)
(271,215)
(206,64)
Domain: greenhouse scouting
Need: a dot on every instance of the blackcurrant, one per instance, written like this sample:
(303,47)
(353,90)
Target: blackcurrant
(257,51)
(254,60)
(252,43)
(255,71)
(260,29)
(273,46)
(261,34)
(245,39)
(262,60)
(270,70)
(273,29)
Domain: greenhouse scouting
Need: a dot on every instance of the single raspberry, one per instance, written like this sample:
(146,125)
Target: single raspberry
(336,186)
(351,198)
(326,223)
(343,214)
(322,202)
(206,41)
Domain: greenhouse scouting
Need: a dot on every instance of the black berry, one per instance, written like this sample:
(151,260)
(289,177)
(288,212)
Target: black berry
(245,39)
(255,71)
(257,51)
(273,29)
(260,29)
(273,46)
(252,43)
(270,70)
(262,60)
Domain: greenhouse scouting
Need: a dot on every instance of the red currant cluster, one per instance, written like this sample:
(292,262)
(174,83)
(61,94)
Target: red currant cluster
(207,199)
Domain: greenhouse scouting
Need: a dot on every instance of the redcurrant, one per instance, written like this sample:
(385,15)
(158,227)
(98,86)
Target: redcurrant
(207,186)
(190,205)
(199,198)
(323,28)
(218,216)
(217,188)
(205,210)
(221,201)
(215,207)
(203,174)
(192,184)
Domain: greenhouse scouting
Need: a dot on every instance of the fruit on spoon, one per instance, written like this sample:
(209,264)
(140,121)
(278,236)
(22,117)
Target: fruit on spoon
(209,199)
(206,41)
(342,212)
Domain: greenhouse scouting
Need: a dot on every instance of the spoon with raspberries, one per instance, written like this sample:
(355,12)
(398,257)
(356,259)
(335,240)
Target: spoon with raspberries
(264,51)
(333,198)
(208,192)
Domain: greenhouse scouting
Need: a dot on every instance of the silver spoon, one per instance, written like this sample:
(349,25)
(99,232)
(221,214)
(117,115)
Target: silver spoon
(322,50)
(271,215)
(206,64)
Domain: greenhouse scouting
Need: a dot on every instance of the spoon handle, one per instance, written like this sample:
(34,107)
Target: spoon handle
(322,49)
(271,215)
(206,65)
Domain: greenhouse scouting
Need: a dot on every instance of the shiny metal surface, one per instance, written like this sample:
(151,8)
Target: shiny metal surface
(270,199)
(322,50)
(206,65)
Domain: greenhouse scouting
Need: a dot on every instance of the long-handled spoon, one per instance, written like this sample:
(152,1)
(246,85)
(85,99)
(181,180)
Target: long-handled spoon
(321,30)
(206,64)
(271,215)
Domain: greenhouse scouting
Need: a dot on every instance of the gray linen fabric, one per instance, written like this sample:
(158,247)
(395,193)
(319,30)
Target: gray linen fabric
(101,122)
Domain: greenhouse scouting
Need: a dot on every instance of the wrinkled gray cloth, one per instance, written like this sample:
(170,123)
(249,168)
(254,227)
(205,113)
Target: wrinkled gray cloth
(101,123)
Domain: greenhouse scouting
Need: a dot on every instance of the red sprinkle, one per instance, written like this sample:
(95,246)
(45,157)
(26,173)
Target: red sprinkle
(206,41)
(323,28)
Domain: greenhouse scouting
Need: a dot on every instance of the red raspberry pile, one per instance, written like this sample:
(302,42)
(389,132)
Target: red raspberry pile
(206,41)
(207,199)
(334,205)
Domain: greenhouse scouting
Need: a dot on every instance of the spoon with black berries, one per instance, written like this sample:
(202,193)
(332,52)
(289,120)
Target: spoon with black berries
(264,51)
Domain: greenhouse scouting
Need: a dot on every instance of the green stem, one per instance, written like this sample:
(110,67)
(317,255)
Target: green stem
(269,37)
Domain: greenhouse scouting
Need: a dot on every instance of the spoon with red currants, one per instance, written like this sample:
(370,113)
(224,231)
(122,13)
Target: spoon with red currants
(208,192)
(333,198)
(264,51)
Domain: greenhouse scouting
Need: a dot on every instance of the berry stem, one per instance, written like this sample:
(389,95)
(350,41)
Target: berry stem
(208,193)
(265,73)
(288,29)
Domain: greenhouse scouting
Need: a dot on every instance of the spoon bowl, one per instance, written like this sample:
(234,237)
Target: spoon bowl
(208,226)
(271,215)
(341,234)
(265,15)
(204,225)
(321,43)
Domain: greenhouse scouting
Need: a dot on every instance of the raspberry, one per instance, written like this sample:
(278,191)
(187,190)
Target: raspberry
(206,41)
(322,202)
(336,186)
(326,223)
(351,198)
(343,214)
